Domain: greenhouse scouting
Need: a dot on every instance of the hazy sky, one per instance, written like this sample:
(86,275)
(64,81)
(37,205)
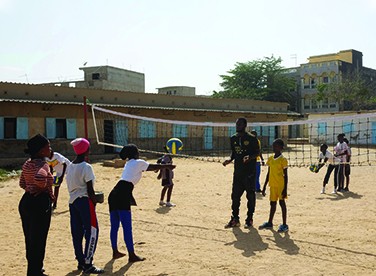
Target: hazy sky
(175,42)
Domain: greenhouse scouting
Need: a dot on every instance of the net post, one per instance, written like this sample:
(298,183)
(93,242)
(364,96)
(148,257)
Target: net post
(85,126)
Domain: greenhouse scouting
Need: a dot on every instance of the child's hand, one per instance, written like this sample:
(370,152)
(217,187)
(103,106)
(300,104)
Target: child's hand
(226,162)
(263,192)
(246,159)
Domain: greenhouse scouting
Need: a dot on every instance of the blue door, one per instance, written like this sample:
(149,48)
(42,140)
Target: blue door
(121,134)
(373,133)
(208,138)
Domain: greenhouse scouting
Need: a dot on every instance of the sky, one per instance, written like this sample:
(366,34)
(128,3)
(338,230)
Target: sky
(175,42)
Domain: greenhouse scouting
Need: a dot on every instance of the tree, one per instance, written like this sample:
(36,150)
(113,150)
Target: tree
(354,91)
(263,79)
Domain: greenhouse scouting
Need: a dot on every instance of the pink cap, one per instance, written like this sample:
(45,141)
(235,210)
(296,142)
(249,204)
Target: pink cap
(80,145)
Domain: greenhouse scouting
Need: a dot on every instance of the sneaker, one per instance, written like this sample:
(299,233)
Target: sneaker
(234,222)
(334,191)
(323,191)
(283,228)
(162,203)
(248,223)
(346,189)
(266,225)
(93,270)
(170,204)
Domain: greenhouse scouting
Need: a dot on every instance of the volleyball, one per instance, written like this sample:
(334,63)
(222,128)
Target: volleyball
(174,145)
(313,168)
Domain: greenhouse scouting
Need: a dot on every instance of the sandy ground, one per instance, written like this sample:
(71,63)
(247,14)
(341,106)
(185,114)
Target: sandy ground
(329,234)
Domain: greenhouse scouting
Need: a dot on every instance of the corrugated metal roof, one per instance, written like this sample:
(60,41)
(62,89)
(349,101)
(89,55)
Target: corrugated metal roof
(147,107)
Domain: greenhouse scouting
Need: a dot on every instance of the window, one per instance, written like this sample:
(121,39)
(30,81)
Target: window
(325,79)
(95,76)
(314,104)
(307,104)
(325,103)
(61,128)
(180,131)
(10,128)
(14,128)
(147,129)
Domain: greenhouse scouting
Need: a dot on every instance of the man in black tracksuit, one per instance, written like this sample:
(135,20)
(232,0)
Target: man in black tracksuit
(245,149)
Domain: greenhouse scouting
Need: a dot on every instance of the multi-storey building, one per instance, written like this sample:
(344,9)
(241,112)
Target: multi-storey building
(326,69)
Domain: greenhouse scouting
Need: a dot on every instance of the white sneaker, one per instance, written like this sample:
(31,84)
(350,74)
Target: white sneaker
(162,203)
(170,204)
(334,191)
(323,191)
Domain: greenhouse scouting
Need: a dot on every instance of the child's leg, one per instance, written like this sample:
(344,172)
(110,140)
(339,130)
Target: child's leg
(327,175)
(115,223)
(126,222)
(273,207)
(336,177)
(282,203)
(169,192)
(56,195)
(163,193)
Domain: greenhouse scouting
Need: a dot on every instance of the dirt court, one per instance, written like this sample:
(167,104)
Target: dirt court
(329,234)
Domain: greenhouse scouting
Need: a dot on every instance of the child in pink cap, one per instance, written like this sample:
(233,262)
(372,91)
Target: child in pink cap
(83,219)
(80,145)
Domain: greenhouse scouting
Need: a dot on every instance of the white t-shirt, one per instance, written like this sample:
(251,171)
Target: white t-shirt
(56,162)
(77,176)
(331,158)
(341,148)
(133,169)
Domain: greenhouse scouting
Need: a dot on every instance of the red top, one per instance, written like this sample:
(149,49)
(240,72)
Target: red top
(36,177)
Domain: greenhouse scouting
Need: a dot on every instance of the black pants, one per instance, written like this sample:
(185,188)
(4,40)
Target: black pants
(35,214)
(240,184)
(121,197)
(329,172)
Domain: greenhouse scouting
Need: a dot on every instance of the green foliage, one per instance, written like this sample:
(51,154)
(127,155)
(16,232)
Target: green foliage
(263,79)
(354,91)
(6,174)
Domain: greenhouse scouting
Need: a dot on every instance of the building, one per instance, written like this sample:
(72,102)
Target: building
(326,69)
(57,112)
(177,90)
(108,78)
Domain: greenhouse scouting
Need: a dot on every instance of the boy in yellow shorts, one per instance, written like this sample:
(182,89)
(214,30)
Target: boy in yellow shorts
(277,178)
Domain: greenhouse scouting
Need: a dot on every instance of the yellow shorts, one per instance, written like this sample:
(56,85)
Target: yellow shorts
(276,193)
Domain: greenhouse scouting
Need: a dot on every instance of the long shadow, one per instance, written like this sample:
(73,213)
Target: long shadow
(283,241)
(108,268)
(163,210)
(249,241)
(340,196)
(346,195)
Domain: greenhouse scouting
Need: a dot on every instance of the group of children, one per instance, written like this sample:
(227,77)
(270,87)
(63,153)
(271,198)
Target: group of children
(80,179)
(339,162)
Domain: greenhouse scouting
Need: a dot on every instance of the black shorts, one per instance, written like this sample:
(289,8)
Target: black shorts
(347,169)
(121,197)
(167,183)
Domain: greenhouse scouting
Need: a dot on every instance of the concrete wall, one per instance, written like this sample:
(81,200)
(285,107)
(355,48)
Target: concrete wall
(178,90)
(112,78)
(99,96)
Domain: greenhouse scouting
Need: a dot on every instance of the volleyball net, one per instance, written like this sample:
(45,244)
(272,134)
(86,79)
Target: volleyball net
(210,141)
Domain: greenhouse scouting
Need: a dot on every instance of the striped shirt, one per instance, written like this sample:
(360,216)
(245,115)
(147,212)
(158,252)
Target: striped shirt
(36,177)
